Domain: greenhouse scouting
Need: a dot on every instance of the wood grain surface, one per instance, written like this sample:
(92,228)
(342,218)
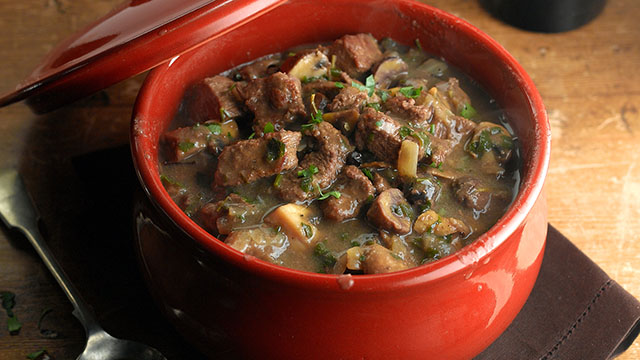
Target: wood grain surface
(588,78)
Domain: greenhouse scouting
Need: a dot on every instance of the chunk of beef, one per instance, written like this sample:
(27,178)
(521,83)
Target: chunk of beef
(440,149)
(260,68)
(447,125)
(355,189)
(390,211)
(249,160)
(380,183)
(355,54)
(349,98)
(224,216)
(185,142)
(265,243)
(275,99)
(407,110)
(378,133)
(327,88)
(455,98)
(213,98)
(379,260)
(328,158)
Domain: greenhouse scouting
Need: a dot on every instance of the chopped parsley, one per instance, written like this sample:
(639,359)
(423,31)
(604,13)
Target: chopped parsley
(378,123)
(405,131)
(307,177)
(307,230)
(375,106)
(369,85)
(215,129)
(275,149)
(316,117)
(432,129)
(186,146)
(8,302)
(402,210)
(36,354)
(306,80)
(411,92)
(436,166)
(324,255)
(268,128)
(384,95)
(367,172)
(252,136)
(483,144)
(339,85)
(335,194)
(468,111)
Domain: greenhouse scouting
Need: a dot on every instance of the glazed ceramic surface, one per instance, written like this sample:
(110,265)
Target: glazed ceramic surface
(231,304)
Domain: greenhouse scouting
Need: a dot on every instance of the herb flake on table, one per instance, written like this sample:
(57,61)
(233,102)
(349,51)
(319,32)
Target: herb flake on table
(8,302)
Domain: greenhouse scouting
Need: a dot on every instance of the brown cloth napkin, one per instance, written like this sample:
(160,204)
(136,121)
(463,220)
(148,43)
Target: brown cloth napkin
(575,310)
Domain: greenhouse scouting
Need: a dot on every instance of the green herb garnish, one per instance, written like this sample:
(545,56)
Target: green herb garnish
(34,355)
(268,128)
(411,92)
(186,146)
(324,255)
(378,123)
(275,149)
(483,144)
(307,230)
(468,111)
(215,129)
(367,172)
(335,194)
(369,85)
(307,177)
(375,106)
(8,302)
(252,136)
(339,85)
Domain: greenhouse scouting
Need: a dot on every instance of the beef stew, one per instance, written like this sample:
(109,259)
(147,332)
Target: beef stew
(359,156)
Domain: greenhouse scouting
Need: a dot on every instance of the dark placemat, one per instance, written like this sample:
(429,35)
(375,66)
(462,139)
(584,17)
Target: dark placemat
(575,310)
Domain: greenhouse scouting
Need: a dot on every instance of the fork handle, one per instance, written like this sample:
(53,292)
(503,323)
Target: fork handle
(17,211)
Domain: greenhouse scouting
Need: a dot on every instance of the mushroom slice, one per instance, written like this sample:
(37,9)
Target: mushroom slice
(430,222)
(390,211)
(378,260)
(490,137)
(344,120)
(389,71)
(307,65)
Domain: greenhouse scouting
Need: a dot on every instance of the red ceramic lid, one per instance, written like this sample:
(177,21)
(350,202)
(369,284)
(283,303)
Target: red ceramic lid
(134,37)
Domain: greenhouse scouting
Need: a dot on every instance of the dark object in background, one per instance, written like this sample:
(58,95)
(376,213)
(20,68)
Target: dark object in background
(544,15)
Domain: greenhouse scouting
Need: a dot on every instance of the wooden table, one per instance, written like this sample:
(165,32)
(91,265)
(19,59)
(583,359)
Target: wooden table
(588,78)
